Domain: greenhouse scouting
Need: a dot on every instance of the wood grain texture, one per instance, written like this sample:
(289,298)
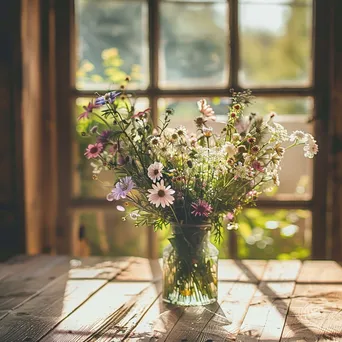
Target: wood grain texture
(315,314)
(120,300)
(107,306)
(322,271)
(29,279)
(266,314)
(241,270)
(38,315)
(225,323)
(157,323)
(194,319)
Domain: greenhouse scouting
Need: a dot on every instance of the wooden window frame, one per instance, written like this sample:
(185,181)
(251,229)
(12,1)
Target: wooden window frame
(66,93)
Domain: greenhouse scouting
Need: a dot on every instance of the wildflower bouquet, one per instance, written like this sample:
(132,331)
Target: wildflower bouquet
(197,182)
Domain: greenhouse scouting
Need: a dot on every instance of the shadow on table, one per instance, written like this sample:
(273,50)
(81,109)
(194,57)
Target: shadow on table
(195,323)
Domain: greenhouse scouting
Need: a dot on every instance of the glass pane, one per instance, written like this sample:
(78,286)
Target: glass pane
(185,111)
(293,114)
(103,232)
(275,42)
(111,43)
(274,234)
(265,234)
(83,183)
(193,46)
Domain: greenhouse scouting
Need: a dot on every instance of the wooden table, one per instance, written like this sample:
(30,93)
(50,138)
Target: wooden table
(55,298)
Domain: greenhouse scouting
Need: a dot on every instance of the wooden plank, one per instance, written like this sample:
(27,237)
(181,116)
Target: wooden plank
(194,319)
(38,316)
(107,305)
(225,323)
(266,314)
(158,321)
(315,314)
(320,272)
(241,270)
(282,270)
(142,270)
(265,317)
(29,279)
(115,330)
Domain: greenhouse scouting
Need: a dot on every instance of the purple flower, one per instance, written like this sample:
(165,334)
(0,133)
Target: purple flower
(88,109)
(121,189)
(104,137)
(107,98)
(201,208)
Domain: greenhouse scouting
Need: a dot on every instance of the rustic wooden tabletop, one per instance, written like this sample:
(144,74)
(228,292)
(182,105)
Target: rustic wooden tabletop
(55,298)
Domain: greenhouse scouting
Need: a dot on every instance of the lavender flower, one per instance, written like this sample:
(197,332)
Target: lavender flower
(121,189)
(107,98)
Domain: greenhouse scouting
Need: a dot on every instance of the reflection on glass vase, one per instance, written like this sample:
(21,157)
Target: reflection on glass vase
(190,267)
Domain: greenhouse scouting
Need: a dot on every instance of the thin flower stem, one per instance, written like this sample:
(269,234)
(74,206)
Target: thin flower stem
(102,119)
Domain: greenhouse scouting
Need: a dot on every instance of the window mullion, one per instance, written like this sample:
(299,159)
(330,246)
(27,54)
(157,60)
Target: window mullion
(233,43)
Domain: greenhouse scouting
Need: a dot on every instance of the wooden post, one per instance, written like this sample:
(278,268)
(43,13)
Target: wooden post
(336,130)
(32,118)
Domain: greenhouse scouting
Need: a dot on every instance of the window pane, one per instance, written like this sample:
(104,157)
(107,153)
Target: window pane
(105,233)
(293,114)
(265,234)
(274,234)
(275,42)
(111,43)
(83,183)
(185,111)
(193,46)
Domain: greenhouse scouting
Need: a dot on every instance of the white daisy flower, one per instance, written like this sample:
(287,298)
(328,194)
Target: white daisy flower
(161,195)
(181,131)
(310,150)
(229,149)
(298,135)
(154,171)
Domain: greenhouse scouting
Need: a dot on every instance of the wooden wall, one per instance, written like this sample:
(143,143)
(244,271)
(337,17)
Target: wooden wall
(12,235)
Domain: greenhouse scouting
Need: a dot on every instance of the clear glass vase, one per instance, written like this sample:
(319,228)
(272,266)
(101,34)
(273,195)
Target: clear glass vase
(190,264)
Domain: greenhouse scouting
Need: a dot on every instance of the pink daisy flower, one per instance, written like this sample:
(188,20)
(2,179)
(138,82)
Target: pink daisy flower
(88,109)
(161,195)
(201,208)
(154,171)
(93,151)
(204,108)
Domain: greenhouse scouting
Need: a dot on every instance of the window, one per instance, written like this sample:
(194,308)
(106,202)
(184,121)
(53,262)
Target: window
(177,52)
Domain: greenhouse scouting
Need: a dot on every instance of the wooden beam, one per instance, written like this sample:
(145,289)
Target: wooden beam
(64,81)
(12,230)
(336,131)
(32,118)
(321,32)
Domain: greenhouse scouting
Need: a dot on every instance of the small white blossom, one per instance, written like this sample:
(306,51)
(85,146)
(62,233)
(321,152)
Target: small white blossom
(134,215)
(310,150)
(278,133)
(229,149)
(298,136)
